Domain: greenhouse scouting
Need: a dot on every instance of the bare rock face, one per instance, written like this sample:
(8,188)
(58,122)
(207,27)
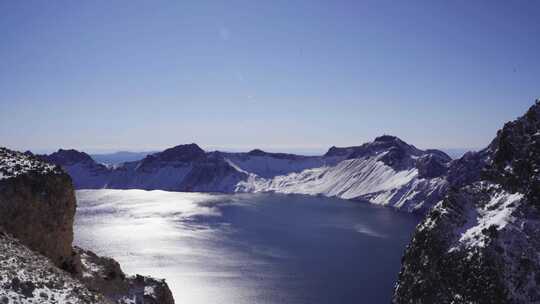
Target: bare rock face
(37,205)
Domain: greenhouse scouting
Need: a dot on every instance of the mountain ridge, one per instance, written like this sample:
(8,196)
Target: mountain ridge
(190,168)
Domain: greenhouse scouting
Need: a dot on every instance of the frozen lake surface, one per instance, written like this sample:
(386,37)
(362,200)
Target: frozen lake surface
(248,248)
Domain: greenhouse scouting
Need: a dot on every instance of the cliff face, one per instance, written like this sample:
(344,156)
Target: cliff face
(481,243)
(37,205)
(37,209)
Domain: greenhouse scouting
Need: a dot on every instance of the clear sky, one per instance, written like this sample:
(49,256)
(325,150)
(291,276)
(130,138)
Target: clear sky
(277,75)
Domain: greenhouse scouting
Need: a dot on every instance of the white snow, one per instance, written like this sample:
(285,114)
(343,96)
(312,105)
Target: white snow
(497,212)
(48,283)
(268,166)
(364,178)
(13,164)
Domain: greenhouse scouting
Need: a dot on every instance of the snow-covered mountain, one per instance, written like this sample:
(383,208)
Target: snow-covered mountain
(481,244)
(386,171)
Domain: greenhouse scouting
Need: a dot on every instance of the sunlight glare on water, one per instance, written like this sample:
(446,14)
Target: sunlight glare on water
(248,248)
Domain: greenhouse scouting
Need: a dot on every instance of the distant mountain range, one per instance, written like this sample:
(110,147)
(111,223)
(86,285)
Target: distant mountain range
(120,157)
(387,171)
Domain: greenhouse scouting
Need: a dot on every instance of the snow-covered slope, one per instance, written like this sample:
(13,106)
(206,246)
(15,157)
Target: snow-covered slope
(29,277)
(268,165)
(481,244)
(385,172)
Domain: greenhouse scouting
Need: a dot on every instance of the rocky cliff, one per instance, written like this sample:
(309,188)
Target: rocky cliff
(37,205)
(481,243)
(37,261)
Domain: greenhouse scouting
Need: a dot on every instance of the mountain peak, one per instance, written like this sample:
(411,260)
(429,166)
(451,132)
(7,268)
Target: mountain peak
(69,156)
(187,152)
(387,138)
(516,154)
(257,152)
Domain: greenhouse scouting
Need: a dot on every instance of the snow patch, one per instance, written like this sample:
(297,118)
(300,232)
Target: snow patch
(496,213)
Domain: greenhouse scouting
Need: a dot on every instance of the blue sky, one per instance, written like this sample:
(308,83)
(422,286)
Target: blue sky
(278,75)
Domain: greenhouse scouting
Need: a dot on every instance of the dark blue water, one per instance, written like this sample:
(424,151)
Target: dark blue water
(249,248)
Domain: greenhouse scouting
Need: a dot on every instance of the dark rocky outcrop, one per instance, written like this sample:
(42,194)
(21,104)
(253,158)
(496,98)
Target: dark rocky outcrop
(481,243)
(105,276)
(67,157)
(182,153)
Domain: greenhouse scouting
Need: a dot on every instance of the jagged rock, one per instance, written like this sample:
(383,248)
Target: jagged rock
(105,275)
(481,243)
(29,277)
(432,166)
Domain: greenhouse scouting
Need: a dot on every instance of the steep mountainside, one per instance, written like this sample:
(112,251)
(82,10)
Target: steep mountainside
(37,261)
(84,171)
(481,244)
(386,171)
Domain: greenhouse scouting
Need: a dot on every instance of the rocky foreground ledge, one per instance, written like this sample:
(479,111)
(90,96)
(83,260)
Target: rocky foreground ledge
(38,263)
